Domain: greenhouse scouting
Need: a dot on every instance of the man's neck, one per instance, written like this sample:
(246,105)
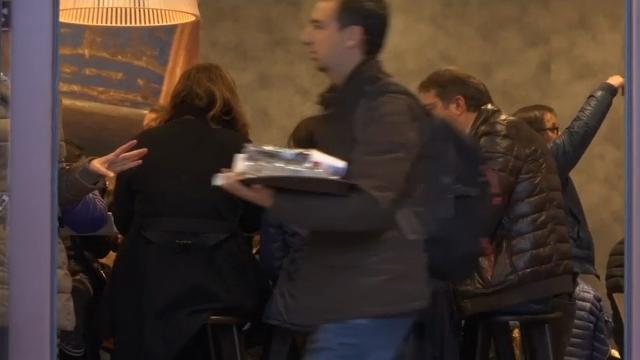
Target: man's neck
(467,120)
(341,73)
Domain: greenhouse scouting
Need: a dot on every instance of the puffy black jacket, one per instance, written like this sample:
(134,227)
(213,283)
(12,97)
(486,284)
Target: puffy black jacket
(567,150)
(532,250)
(615,268)
(591,327)
(615,285)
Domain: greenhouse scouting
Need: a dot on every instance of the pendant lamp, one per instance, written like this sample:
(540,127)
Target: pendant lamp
(128,12)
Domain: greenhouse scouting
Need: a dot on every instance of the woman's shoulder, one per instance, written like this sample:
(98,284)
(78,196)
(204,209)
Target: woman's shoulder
(192,127)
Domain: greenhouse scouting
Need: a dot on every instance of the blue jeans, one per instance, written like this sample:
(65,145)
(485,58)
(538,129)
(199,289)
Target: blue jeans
(366,339)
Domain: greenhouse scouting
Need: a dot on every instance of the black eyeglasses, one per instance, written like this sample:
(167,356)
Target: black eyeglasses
(554,130)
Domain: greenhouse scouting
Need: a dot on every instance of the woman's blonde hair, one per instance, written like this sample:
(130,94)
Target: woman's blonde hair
(209,88)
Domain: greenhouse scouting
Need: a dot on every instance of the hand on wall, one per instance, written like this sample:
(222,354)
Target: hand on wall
(617,81)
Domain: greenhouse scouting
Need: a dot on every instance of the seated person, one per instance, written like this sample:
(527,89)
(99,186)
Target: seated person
(528,268)
(567,148)
(184,256)
(615,291)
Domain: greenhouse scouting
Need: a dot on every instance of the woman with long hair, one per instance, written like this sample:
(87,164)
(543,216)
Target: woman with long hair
(184,256)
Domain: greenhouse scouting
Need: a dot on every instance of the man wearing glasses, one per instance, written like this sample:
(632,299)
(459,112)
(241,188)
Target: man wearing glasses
(527,269)
(567,148)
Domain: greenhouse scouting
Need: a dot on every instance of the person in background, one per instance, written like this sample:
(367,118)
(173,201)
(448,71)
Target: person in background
(615,292)
(75,184)
(78,223)
(278,240)
(528,268)
(568,147)
(279,245)
(184,255)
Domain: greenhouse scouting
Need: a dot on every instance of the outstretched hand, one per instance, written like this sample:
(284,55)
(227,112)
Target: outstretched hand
(617,81)
(119,160)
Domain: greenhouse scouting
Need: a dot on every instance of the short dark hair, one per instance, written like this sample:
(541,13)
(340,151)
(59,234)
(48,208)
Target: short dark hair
(449,83)
(302,134)
(533,115)
(371,15)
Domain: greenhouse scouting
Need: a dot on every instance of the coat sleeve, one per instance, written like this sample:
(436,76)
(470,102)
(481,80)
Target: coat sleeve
(572,143)
(250,218)
(88,216)
(75,182)
(386,144)
(123,202)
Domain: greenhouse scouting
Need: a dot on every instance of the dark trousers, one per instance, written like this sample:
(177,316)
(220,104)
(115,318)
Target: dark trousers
(197,348)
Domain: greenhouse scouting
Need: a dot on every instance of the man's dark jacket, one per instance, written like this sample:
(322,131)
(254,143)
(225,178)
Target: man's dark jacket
(567,150)
(531,248)
(355,262)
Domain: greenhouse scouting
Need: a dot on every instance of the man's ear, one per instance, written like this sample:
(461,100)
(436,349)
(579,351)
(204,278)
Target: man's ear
(353,36)
(459,105)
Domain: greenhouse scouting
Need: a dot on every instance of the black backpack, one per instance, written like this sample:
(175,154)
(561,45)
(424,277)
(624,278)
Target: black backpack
(452,208)
(462,196)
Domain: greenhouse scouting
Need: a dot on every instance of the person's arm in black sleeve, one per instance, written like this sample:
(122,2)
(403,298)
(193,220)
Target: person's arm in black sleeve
(250,218)
(83,177)
(75,182)
(123,202)
(572,143)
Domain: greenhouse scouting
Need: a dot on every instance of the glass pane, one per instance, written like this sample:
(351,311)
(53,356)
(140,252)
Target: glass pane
(556,54)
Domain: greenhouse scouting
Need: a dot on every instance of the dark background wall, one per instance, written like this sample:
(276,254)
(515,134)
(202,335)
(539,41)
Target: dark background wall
(542,51)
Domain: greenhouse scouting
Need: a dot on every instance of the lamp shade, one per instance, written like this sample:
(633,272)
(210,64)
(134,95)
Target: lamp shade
(128,12)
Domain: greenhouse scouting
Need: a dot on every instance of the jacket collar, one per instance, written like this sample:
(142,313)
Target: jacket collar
(486,113)
(188,110)
(365,74)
